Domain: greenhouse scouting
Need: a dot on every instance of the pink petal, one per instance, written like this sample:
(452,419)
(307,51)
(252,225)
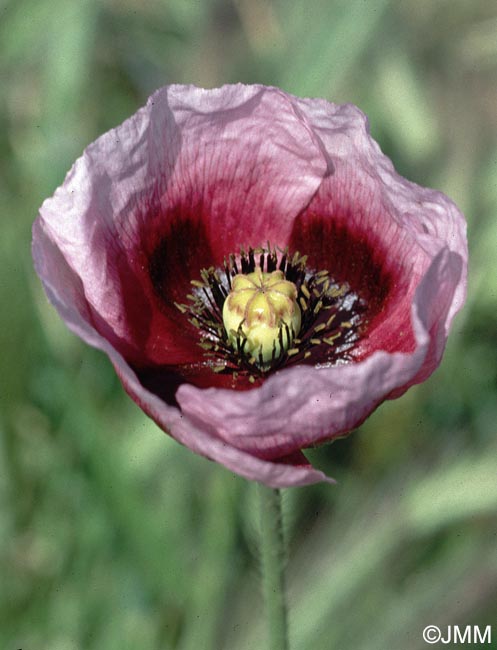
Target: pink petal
(68,298)
(193,176)
(202,171)
(299,407)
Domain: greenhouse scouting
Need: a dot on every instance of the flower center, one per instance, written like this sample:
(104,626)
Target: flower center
(263,308)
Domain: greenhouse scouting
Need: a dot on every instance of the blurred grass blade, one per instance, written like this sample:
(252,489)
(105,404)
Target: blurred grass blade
(325,43)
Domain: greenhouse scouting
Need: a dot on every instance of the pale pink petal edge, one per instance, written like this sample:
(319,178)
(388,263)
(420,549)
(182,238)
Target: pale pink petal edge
(170,419)
(301,406)
(358,388)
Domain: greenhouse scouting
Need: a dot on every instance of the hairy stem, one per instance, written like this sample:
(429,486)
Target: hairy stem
(273,562)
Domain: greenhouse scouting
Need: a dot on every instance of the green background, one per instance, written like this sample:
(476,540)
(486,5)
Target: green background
(113,536)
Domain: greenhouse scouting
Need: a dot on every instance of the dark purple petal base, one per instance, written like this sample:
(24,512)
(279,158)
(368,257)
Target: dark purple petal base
(197,175)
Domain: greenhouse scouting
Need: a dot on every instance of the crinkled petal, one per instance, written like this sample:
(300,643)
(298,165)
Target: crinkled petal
(299,407)
(191,177)
(68,298)
(197,174)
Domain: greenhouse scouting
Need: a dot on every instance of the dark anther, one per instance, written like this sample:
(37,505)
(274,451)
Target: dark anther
(332,315)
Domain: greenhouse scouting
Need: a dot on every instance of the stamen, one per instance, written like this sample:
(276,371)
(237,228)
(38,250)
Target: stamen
(326,307)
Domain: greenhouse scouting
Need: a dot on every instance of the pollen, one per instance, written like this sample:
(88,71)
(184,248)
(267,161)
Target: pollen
(265,309)
(262,309)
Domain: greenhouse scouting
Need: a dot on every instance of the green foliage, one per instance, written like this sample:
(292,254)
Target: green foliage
(111,534)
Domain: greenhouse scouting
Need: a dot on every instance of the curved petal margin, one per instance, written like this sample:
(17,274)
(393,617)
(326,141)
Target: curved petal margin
(302,406)
(194,176)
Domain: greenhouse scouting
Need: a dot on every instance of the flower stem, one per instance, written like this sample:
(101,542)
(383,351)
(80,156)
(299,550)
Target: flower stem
(273,561)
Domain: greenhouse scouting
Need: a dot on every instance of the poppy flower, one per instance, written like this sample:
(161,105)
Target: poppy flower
(257,272)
